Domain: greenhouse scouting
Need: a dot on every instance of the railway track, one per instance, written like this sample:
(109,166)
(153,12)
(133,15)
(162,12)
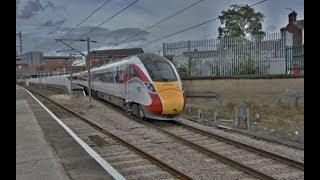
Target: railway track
(256,162)
(283,141)
(129,160)
(268,163)
(187,128)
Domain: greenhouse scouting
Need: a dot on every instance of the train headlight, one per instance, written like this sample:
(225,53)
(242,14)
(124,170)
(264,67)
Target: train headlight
(182,88)
(150,87)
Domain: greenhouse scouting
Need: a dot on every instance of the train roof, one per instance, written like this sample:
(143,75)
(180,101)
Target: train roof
(144,58)
(108,65)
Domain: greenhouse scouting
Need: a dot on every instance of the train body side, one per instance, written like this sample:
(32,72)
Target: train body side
(148,82)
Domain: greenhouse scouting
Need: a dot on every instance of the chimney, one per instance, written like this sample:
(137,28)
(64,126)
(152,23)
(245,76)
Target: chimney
(292,17)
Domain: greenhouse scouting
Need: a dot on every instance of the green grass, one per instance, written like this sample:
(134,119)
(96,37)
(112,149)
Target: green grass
(280,119)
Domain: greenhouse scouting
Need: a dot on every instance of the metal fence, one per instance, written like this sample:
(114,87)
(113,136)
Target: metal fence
(258,55)
(38,72)
(294,56)
(43,73)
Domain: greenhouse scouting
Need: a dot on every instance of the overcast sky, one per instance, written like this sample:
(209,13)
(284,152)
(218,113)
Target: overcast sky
(41,21)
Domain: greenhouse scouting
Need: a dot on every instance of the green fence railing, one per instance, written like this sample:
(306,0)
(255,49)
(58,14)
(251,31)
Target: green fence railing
(294,56)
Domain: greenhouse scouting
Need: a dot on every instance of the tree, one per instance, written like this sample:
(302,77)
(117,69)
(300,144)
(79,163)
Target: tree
(239,21)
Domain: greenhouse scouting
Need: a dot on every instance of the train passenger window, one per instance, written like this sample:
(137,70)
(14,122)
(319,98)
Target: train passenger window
(107,77)
(83,78)
(161,71)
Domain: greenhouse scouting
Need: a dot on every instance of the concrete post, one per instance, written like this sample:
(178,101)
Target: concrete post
(215,116)
(199,114)
(248,123)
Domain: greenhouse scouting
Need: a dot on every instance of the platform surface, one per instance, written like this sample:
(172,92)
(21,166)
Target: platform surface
(44,150)
(35,159)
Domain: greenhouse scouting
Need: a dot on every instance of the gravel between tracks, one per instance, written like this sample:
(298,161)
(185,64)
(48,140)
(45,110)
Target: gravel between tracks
(293,153)
(167,149)
(194,164)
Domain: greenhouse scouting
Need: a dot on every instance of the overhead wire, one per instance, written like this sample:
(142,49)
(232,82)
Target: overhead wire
(92,13)
(188,28)
(161,21)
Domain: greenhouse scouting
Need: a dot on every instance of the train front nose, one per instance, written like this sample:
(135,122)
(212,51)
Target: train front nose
(172,101)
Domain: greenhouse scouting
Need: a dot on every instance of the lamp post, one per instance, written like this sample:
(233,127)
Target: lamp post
(88,63)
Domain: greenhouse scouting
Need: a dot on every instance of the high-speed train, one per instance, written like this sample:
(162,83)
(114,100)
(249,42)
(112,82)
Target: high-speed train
(148,85)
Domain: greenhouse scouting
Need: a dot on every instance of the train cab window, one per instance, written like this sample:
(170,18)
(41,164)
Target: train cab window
(133,73)
(121,76)
(161,71)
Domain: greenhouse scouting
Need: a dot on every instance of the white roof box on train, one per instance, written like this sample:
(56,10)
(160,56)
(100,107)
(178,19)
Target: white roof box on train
(81,62)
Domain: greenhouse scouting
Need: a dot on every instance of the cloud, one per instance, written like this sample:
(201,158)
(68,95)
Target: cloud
(30,9)
(50,19)
(44,10)
(105,34)
(52,23)
(48,4)
(271,28)
(43,39)
(40,12)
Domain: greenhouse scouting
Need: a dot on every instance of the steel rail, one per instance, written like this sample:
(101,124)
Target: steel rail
(206,151)
(211,153)
(262,152)
(163,165)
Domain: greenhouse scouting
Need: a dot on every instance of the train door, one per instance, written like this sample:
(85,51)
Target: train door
(137,91)
(121,79)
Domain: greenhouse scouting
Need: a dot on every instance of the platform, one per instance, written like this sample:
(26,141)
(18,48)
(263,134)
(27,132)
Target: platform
(44,150)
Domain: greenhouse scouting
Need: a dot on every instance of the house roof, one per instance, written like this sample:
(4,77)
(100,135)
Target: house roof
(117,52)
(56,57)
(21,61)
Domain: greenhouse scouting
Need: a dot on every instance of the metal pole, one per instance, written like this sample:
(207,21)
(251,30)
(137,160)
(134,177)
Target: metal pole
(189,60)
(20,39)
(70,80)
(88,62)
(286,59)
(163,50)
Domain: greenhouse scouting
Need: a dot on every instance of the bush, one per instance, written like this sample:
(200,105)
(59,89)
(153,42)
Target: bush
(248,67)
(183,71)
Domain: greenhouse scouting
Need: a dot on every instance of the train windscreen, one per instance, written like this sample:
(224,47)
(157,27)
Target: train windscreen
(161,71)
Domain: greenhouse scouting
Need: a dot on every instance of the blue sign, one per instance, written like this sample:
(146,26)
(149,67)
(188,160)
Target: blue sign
(139,89)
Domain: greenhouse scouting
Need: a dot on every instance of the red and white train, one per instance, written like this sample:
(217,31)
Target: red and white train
(147,84)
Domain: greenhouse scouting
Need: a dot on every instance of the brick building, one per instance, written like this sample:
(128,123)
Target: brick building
(56,62)
(100,57)
(28,62)
(294,31)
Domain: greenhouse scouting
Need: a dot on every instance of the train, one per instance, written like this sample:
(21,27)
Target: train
(146,85)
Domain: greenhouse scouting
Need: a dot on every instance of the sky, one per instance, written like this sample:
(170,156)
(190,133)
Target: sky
(42,21)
